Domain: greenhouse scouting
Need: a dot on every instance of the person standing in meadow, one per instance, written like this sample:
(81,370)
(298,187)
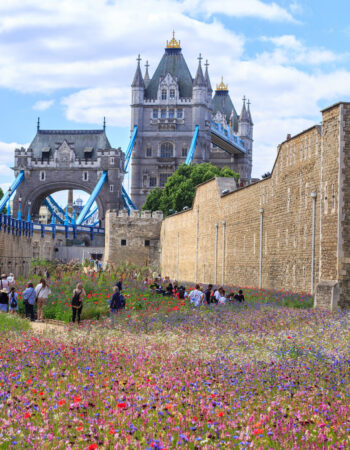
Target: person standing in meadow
(117,303)
(29,301)
(4,300)
(13,300)
(77,302)
(4,284)
(42,291)
(196,296)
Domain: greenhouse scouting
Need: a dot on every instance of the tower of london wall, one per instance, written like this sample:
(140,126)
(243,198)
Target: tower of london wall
(290,231)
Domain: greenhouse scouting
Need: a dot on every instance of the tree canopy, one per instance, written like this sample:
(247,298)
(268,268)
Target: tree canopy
(180,187)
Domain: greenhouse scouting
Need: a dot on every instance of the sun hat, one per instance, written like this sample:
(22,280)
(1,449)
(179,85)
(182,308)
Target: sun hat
(4,291)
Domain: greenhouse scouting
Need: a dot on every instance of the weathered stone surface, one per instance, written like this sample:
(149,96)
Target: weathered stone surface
(219,241)
(133,238)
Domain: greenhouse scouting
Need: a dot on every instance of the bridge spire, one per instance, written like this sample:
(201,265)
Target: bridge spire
(38,124)
(104,124)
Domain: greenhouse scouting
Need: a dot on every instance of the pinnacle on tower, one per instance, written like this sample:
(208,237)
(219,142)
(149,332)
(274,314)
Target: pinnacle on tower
(249,114)
(138,79)
(244,117)
(207,79)
(146,78)
(199,79)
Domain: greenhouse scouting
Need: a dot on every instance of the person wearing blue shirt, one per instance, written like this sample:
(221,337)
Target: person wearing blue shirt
(29,296)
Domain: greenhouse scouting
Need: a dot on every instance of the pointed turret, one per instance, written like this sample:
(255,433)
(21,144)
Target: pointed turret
(244,117)
(249,114)
(199,78)
(146,78)
(138,79)
(207,79)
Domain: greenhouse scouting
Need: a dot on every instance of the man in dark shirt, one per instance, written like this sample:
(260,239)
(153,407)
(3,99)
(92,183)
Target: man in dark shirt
(208,294)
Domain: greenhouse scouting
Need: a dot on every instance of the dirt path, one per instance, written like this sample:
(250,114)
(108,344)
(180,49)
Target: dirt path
(41,327)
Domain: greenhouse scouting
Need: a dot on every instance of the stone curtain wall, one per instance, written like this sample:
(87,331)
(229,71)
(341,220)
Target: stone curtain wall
(218,240)
(16,252)
(134,230)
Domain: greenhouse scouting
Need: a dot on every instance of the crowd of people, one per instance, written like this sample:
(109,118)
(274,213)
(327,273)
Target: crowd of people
(197,296)
(39,294)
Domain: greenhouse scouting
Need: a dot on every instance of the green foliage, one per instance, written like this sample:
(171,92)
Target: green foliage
(13,322)
(180,188)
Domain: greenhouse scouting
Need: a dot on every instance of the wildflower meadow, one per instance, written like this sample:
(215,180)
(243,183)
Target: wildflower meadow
(270,373)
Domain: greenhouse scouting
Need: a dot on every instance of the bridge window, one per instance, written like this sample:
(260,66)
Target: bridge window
(166,150)
(152,181)
(163,94)
(85,176)
(155,114)
(179,113)
(172,93)
(171,113)
(42,175)
(163,113)
(123,242)
(184,151)
(162,178)
(149,151)
(112,159)
(111,188)
(147,243)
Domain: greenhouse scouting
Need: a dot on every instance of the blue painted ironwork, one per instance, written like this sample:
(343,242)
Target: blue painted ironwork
(92,198)
(19,215)
(66,218)
(130,148)
(28,216)
(12,190)
(128,203)
(91,213)
(8,208)
(192,148)
(227,135)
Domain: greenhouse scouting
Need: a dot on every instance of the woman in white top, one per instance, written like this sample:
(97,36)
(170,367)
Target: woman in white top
(42,292)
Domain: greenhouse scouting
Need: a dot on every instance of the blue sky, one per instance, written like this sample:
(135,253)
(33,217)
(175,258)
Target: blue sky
(72,63)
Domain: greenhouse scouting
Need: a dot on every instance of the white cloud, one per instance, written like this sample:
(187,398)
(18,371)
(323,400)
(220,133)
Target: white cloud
(43,105)
(90,46)
(247,8)
(290,51)
(91,105)
(7,151)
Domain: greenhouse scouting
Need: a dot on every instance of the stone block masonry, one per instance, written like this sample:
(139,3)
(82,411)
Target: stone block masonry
(133,238)
(290,231)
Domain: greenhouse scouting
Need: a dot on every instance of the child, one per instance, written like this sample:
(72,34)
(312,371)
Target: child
(13,300)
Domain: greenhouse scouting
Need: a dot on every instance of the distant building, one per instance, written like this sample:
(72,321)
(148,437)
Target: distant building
(166,108)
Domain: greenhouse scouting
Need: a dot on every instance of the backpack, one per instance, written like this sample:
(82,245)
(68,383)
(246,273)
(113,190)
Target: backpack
(122,301)
(76,303)
(13,303)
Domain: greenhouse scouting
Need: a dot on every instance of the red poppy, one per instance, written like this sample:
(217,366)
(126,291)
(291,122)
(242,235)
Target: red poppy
(121,405)
(62,402)
(92,446)
(27,415)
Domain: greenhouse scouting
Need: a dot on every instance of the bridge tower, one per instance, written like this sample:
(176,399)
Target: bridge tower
(65,160)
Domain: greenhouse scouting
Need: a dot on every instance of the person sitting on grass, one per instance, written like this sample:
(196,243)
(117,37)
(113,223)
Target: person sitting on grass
(222,299)
(240,297)
(13,300)
(196,296)
(29,296)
